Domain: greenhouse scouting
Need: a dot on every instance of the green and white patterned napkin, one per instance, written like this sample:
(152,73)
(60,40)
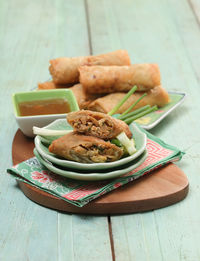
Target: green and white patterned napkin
(79,193)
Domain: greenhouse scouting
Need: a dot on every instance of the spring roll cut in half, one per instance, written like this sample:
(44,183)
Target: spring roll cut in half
(85,149)
(109,79)
(156,96)
(97,124)
(65,69)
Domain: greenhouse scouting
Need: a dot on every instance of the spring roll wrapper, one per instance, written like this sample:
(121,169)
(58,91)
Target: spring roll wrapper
(156,96)
(51,85)
(109,79)
(86,149)
(65,69)
(97,124)
(82,98)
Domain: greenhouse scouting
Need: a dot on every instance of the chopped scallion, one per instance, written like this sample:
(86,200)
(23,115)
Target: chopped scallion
(129,144)
(125,98)
(47,132)
(132,106)
(130,114)
(116,142)
(141,114)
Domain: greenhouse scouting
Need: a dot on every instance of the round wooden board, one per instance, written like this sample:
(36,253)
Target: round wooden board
(163,187)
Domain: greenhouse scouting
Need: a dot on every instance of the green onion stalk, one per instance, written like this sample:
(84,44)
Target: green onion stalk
(125,98)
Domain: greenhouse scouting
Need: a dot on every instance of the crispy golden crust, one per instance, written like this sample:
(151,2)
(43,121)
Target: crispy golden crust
(51,85)
(82,98)
(86,149)
(156,96)
(109,79)
(65,70)
(97,124)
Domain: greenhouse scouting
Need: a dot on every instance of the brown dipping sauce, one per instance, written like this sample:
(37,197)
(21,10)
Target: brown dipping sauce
(42,107)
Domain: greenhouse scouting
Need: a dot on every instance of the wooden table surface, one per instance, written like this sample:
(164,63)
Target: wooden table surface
(152,31)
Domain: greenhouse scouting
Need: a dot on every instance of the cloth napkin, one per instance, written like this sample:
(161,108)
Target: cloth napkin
(79,193)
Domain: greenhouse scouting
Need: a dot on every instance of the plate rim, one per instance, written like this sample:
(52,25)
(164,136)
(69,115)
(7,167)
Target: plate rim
(155,123)
(92,176)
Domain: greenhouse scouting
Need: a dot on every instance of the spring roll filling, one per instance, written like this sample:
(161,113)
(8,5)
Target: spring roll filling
(95,153)
(88,124)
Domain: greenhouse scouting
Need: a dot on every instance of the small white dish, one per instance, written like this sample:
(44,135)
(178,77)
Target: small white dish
(26,123)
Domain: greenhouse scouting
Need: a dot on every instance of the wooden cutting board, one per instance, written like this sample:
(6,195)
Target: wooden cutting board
(163,187)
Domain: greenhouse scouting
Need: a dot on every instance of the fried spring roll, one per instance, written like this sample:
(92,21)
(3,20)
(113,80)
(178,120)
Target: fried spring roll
(65,70)
(86,149)
(51,85)
(156,96)
(97,124)
(108,79)
(82,98)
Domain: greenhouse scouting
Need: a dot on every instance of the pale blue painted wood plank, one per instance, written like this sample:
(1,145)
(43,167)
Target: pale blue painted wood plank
(136,238)
(135,34)
(71,34)
(104,32)
(153,31)
(58,34)
(21,220)
(86,238)
(31,34)
(185,217)
(25,232)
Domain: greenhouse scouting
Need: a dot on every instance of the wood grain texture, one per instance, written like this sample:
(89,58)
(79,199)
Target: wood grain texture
(165,32)
(85,238)
(31,33)
(165,186)
(148,193)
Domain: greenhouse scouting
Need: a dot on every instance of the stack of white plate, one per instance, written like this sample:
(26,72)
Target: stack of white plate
(86,171)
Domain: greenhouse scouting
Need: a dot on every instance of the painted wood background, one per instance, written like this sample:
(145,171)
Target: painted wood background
(165,32)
